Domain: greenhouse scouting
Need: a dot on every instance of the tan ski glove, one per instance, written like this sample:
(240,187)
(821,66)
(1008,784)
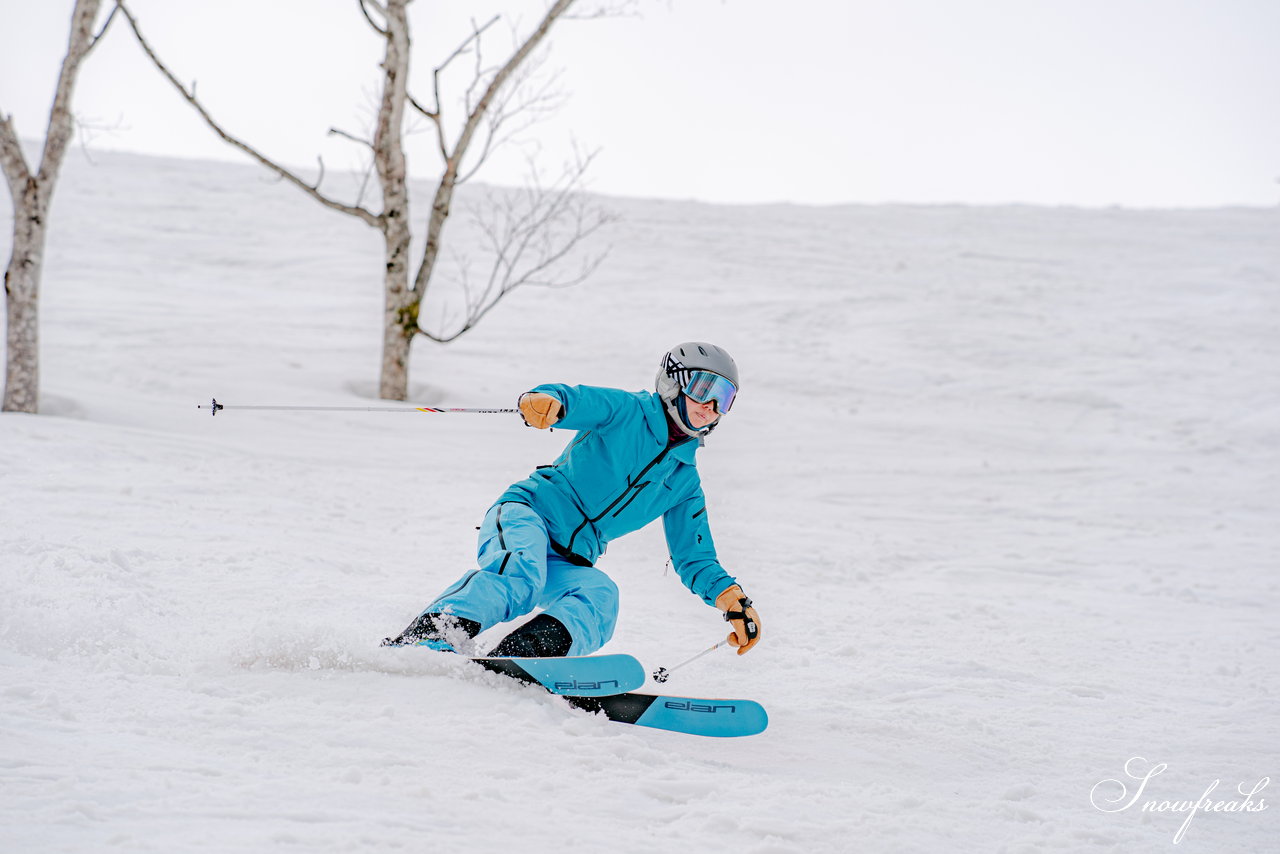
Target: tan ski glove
(739,614)
(539,410)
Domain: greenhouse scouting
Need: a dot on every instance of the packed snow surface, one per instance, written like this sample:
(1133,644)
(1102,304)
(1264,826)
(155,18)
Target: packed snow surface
(1003,483)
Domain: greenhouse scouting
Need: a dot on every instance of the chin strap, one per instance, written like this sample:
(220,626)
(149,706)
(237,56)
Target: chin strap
(753,631)
(674,407)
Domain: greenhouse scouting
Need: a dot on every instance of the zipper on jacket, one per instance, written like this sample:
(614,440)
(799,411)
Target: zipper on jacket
(634,496)
(630,485)
(576,442)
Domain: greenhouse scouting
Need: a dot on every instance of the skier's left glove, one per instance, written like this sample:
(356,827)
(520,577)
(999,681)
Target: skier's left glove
(739,614)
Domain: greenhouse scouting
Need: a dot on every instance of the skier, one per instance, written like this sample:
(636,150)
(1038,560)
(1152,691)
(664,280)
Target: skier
(631,462)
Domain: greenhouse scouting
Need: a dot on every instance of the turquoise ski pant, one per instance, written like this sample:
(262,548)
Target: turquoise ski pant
(519,572)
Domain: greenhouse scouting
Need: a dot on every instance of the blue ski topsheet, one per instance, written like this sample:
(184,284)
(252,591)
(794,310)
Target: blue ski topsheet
(578,676)
(722,718)
(691,715)
(603,684)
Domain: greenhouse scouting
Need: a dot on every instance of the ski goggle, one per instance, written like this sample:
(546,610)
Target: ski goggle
(704,387)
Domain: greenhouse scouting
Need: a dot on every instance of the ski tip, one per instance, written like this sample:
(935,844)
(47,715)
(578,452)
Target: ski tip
(712,718)
(689,715)
(580,676)
(707,717)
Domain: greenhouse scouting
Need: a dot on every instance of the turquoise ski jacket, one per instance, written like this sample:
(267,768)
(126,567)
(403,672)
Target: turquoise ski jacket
(618,475)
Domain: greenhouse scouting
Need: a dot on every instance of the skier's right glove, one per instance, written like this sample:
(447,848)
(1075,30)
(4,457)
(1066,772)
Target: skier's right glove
(539,410)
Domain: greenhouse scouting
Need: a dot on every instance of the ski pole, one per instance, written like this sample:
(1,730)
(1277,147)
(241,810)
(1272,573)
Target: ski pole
(662,674)
(214,406)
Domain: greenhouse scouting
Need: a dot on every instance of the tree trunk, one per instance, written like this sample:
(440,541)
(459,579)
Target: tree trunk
(32,194)
(441,206)
(22,291)
(401,303)
(400,311)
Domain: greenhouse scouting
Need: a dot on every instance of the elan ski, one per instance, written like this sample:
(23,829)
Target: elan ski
(602,684)
(691,715)
(578,676)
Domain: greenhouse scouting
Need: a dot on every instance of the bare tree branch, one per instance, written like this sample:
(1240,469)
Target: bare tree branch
(607,9)
(529,234)
(530,108)
(476,33)
(311,189)
(368,164)
(12,160)
(364,10)
(453,159)
(437,114)
(478,73)
(102,32)
(364,181)
(413,102)
(60,125)
(87,131)
(546,208)
(342,133)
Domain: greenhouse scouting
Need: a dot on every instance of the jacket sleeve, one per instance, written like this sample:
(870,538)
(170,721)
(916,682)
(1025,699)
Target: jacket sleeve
(588,407)
(692,550)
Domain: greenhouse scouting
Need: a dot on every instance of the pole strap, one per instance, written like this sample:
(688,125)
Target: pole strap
(753,631)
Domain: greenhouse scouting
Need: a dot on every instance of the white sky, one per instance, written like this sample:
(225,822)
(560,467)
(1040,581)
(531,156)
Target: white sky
(1083,102)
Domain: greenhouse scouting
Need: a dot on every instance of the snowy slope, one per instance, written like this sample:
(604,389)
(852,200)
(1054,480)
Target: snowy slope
(1003,483)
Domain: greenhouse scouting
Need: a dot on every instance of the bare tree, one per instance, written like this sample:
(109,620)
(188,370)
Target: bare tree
(32,194)
(527,242)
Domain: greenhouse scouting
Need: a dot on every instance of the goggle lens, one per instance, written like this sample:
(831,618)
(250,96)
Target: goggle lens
(704,386)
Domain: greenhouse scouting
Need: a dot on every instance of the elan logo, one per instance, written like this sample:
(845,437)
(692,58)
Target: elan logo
(575,685)
(690,706)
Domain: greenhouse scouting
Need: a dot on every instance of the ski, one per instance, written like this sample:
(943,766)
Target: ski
(578,676)
(690,715)
(602,684)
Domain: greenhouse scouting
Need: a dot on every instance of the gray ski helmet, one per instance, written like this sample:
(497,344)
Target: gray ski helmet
(676,368)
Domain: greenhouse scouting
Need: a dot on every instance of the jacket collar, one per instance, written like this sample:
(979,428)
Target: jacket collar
(655,415)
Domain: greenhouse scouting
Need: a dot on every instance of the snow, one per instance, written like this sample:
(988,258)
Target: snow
(1003,483)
